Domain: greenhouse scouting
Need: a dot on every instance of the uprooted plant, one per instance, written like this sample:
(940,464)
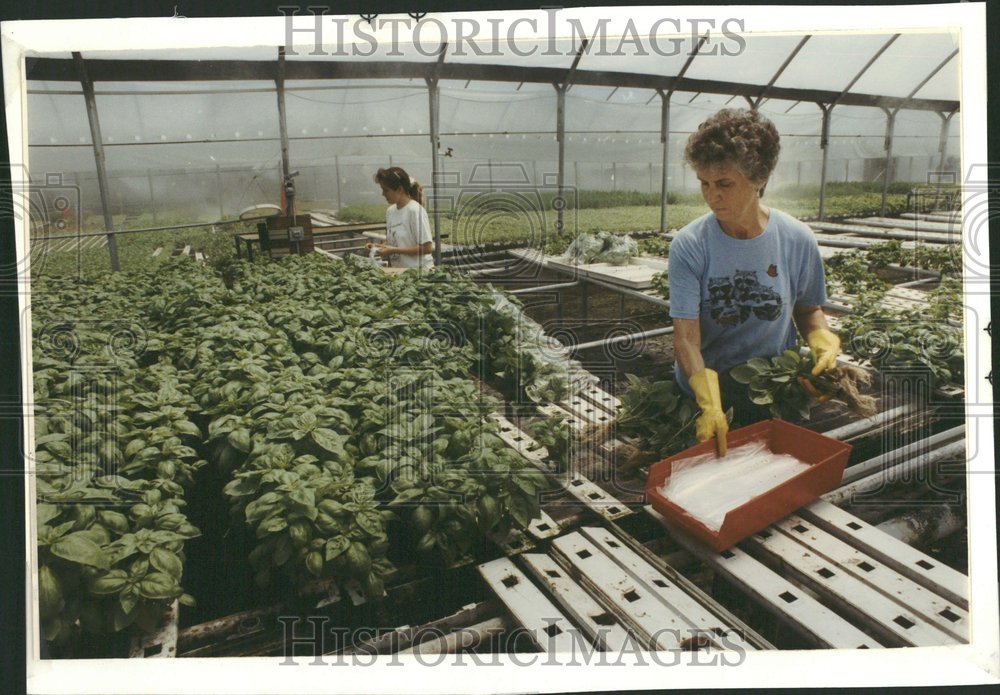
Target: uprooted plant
(787,385)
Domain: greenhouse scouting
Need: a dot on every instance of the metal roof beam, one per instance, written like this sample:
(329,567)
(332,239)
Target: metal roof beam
(568,80)
(870,62)
(687,63)
(791,56)
(928,78)
(57,69)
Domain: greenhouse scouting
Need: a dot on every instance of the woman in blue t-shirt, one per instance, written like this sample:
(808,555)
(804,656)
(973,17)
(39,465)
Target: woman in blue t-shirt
(744,276)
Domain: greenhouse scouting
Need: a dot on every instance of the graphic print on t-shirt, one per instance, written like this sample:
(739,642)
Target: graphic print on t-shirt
(733,299)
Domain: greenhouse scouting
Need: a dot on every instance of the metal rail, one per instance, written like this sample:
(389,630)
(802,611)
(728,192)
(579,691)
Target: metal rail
(874,465)
(622,338)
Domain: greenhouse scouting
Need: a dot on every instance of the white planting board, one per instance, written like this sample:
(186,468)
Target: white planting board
(853,595)
(777,595)
(603,629)
(663,615)
(652,577)
(949,583)
(549,628)
(934,610)
(908,224)
(161,644)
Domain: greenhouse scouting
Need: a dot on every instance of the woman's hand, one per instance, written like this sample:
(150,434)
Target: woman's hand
(824,343)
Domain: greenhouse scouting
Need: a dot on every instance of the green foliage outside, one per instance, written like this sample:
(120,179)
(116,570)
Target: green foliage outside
(489,220)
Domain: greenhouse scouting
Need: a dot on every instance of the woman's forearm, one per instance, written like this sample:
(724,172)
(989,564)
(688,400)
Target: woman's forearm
(418,250)
(809,318)
(687,346)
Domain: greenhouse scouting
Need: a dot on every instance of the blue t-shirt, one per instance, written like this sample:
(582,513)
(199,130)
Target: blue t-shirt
(743,290)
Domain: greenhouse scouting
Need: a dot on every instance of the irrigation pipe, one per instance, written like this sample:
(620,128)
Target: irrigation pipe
(901,471)
(854,428)
(873,465)
(462,638)
(546,288)
(621,339)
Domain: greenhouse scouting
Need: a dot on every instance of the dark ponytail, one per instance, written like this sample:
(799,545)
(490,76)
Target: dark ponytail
(396,178)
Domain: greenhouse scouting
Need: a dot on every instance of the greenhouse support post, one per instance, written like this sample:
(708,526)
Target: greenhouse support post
(942,149)
(282,122)
(102,173)
(434,95)
(890,128)
(665,141)
(665,131)
(561,139)
(218,187)
(824,143)
(152,198)
(336,171)
(892,120)
(829,107)
(943,141)
(561,133)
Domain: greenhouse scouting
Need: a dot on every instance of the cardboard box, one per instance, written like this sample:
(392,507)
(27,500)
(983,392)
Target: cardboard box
(826,458)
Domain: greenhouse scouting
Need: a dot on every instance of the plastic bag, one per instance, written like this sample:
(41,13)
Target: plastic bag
(707,487)
(602,247)
(586,247)
(547,371)
(374,258)
(618,250)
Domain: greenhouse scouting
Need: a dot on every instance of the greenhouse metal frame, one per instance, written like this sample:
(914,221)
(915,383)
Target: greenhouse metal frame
(88,71)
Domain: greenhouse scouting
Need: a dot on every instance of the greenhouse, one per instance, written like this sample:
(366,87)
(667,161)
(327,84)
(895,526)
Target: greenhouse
(245,419)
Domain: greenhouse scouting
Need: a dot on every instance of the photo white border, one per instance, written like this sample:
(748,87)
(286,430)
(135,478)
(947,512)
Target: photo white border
(970,664)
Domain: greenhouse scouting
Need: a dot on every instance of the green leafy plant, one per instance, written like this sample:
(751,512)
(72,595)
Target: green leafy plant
(661,284)
(655,420)
(851,274)
(654,246)
(555,434)
(895,339)
(786,385)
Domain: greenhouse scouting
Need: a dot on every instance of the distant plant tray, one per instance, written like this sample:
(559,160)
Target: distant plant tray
(261,211)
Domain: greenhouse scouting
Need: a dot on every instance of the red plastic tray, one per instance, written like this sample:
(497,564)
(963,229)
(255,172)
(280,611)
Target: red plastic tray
(826,458)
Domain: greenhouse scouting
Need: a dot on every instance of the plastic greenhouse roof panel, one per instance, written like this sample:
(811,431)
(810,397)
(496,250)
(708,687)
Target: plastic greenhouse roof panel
(383,51)
(907,62)
(652,64)
(490,89)
(760,59)
(189,117)
(535,53)
(946,84)
(62,122)
(350,84)
(590,109)
(830,62)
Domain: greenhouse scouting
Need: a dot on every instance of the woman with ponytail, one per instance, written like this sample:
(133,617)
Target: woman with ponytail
(408,241)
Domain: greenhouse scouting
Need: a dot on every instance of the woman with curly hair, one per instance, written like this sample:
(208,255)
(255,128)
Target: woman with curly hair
(408,241)
(744,276)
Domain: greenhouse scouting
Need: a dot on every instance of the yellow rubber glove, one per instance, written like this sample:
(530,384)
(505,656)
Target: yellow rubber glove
(712,421)
(826,346)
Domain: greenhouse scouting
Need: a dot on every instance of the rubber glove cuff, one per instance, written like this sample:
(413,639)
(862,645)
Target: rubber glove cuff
(712,421)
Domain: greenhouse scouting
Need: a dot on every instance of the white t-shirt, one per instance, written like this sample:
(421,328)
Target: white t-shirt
(405,227)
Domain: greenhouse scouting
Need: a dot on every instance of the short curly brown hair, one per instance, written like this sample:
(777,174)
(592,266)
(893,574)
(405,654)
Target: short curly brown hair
(740,137)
